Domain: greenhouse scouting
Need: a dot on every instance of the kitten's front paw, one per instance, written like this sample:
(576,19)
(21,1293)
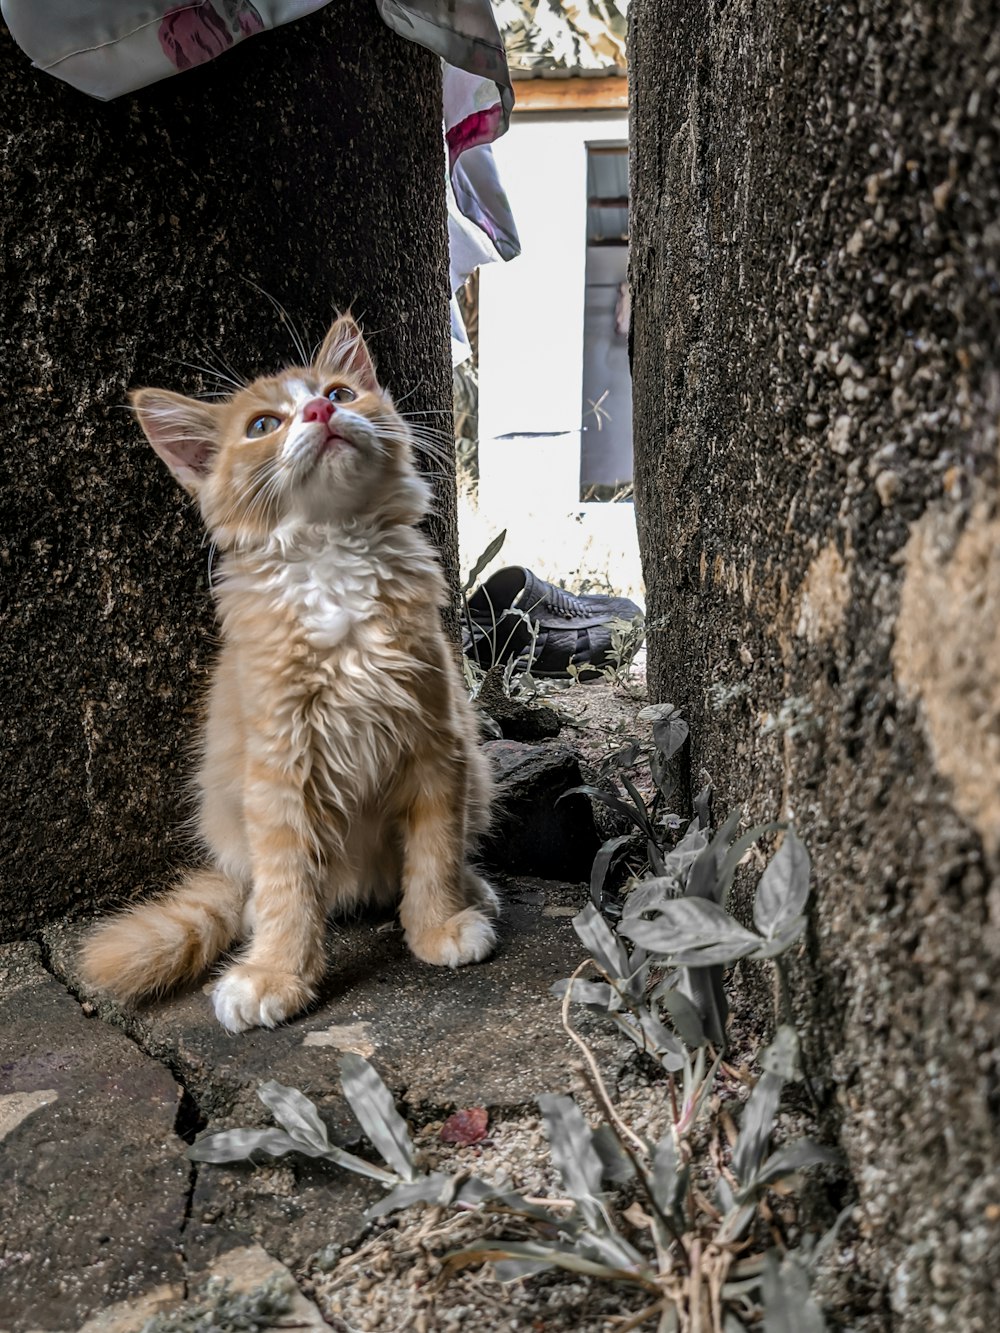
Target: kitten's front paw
(466,937)
(254,997)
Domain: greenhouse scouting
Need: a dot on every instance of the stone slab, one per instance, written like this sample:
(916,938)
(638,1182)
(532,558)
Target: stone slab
(293,1207)
(537,830)
(482,1035)
(243,1271)
(488,1035)
(93,1181)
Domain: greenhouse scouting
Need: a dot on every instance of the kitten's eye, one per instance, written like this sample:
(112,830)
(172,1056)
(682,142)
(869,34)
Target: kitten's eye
(340,393)
(261,426)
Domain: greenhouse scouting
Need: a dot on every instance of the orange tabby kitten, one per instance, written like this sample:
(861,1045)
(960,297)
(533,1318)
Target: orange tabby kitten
(339,760)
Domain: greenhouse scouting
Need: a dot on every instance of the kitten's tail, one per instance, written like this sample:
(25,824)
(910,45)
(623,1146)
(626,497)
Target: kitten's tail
(166,942)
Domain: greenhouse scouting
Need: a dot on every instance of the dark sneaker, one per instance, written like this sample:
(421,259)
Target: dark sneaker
(573,629)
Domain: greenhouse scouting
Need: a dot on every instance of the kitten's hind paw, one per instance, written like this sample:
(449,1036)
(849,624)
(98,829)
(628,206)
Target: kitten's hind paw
(466,937)
(480,893)
(254,997)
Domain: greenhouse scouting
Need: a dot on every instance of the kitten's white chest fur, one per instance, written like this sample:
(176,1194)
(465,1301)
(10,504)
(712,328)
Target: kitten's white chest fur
(328,591)
(332,578)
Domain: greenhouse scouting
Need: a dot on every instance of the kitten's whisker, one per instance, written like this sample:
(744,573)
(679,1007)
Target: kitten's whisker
(422,428)
(229,369)
(439,448)
(430,432)
(263,503)
(212,373)
(431,450)
(441,451)
(409,394)
(213,551)
(406,441)
(424,450)
(261,490)
(286,319)
(442,440)
(395,420)
(246,502)
(215,358)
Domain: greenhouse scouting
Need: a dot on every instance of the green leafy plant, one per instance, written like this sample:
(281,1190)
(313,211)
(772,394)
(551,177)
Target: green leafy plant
(654,823)
(682,885)
(627,637)
(474,672)
(661,983)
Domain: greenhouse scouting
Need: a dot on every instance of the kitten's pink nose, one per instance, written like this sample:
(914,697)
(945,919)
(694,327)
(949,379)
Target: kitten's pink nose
(318,409)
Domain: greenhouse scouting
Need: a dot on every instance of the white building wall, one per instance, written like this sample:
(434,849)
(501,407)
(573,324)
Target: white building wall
(531,367)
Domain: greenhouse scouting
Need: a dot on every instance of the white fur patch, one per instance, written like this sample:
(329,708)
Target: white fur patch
(488,899)
(238,1007)
(474,940)
(330,577)
(466,937)
(299,393)
(330,591)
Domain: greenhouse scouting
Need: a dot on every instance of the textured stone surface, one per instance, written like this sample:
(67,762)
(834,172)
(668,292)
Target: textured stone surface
(100,1212)
(130,235)
(243,1271)
(517,721)
(487,1034)
(816,272)
(93,1181)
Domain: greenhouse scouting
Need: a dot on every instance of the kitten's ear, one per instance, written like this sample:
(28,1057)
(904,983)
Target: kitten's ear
(344,351)
(183,431)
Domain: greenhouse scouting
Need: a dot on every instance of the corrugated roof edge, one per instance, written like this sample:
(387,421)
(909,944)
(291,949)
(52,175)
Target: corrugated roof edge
(606,72)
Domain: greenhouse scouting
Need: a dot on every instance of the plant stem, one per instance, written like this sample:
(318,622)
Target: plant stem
(600,1090)
(629,1141)
(640,1318)
(785,997)
(673,1098)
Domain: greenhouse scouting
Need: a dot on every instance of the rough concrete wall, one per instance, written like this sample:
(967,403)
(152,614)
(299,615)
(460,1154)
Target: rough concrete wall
(816,362)
(309,161)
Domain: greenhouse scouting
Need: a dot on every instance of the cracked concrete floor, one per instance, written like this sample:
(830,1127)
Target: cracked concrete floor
(99,1205)
(103,1220)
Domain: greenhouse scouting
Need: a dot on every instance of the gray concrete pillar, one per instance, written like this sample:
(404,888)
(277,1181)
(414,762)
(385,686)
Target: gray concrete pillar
(816,362)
